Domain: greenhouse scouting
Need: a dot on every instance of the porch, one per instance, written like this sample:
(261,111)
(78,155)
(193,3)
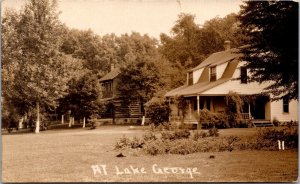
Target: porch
(257,111)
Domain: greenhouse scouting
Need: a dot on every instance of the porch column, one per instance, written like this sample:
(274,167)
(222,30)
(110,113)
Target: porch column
(198,105)
(198,110)
(249,112)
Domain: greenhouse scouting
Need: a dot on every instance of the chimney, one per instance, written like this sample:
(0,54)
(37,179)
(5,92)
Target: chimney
(227,45)
(112,67)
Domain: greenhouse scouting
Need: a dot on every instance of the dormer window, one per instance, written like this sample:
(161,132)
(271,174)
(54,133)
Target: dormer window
(190,78)
(213,73)
(243,75)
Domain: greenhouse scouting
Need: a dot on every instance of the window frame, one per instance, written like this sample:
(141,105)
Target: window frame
(244,75)
(285,105)
(213,73)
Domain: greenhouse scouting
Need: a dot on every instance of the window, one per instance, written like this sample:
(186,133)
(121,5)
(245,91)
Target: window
(243,75)
(190,78)
(286,104)
(213,73)
(108,89)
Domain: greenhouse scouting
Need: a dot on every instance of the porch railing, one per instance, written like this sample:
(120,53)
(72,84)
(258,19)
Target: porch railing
(246,116)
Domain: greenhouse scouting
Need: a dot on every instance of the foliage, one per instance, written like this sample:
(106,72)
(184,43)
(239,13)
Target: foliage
(122,143)
(276,122)
(39,77)
(155,147)
(289,135)
(83,97)
(214,132)
(180,141)
(136,143)
(190,44)
(228,28)
(158,111)
(272,51)
(149,137)
(234,105)
(139,80)
(182,106)
(210,119)
(199,134)
(178,134)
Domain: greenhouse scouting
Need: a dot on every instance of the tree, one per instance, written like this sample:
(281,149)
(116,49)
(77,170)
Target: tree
(181,46)
(42,72)
(83,96)
(272,51)
(227,28)
(139,80)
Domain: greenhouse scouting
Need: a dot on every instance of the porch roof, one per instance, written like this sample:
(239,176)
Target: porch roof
(195,89)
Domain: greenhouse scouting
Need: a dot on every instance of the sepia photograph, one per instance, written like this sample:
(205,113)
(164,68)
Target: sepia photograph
(149,91)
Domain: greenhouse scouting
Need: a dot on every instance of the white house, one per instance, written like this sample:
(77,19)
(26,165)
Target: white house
(222,72)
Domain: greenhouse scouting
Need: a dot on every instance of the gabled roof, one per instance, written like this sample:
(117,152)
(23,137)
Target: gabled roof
(201,87)
(111,75)
(218,58)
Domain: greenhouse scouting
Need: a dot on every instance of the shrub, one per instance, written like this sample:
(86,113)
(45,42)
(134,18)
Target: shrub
(213,132)
(182,134)
(136,143)
(152,127)
(199,134)
(220,120)
(149,137)
(276,122)
(170,126)
(210,119)
(289,135)
(178,134)
(158,111)
(155,147)
(122,143)
(183,147)
(166,135)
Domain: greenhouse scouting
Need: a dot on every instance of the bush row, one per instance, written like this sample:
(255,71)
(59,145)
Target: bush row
(184,142)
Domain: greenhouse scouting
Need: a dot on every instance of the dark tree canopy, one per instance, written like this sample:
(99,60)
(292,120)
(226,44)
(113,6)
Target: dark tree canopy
(272,52)
(189,43)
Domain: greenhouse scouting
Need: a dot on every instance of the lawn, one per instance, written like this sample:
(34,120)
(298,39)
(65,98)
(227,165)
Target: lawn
(69,155)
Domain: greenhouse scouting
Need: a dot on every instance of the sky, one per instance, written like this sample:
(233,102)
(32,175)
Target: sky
(150,17)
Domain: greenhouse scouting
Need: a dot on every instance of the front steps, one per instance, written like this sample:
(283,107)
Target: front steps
(262,123)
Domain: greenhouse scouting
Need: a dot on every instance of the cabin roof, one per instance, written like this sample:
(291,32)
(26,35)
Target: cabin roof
(111,75)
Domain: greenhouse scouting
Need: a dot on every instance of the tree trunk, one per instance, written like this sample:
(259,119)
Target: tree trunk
(70,121)
(37,124)
(83,123)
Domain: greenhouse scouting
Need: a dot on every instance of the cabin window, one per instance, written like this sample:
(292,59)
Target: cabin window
(286,104)
(213,73)
(243,75)
(107,89)
(190,78)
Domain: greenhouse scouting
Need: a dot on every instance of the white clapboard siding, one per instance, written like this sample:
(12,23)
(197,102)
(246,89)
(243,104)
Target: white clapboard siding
(197,74)
(220,69)
(277,111)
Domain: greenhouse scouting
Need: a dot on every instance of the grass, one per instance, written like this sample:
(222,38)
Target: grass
(67,156)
